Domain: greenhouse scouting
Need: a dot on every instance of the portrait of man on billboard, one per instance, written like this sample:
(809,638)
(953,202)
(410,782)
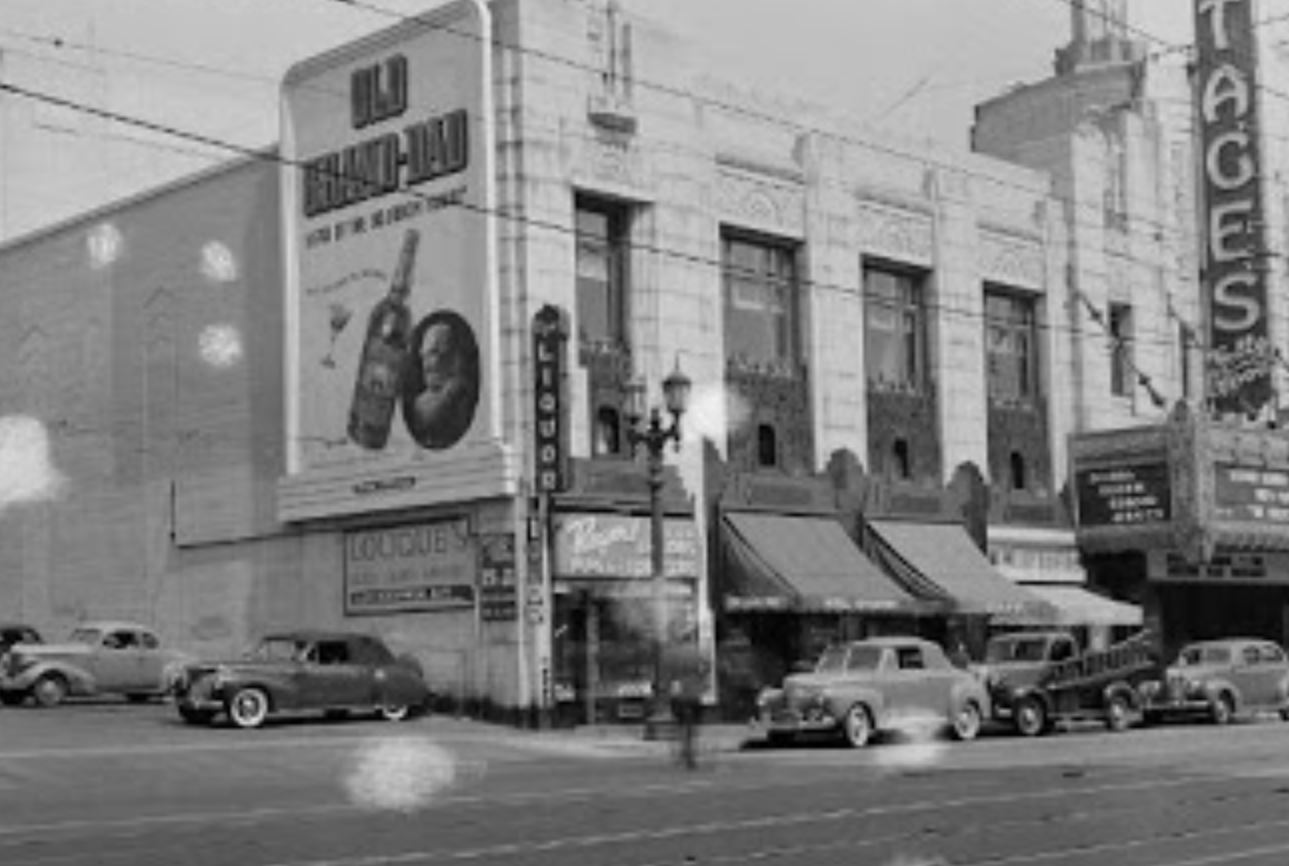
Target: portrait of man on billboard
(441,383)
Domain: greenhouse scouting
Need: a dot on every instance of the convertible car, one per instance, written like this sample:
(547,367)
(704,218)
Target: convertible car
(880,684)
(293,672)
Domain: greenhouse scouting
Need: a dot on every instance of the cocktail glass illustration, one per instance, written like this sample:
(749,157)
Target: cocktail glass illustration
(340,316)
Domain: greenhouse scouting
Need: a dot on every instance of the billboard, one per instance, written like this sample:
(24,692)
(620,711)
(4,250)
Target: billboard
(1234,276)
(388,210)
(428,566)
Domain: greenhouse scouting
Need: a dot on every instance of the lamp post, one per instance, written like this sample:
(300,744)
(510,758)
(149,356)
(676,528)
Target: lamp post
(654,437)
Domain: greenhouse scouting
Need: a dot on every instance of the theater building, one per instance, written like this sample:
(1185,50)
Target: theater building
(376,377)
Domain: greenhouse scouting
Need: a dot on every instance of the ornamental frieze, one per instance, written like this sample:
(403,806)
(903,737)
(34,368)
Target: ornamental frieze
(756,202)
(896,234)
(613,163)
(1011,261)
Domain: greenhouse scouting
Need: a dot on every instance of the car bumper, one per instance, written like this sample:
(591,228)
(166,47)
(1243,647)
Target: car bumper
(794,722)
(1177,706)
(207,703)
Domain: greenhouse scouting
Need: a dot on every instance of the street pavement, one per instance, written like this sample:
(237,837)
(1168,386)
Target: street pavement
(107,784)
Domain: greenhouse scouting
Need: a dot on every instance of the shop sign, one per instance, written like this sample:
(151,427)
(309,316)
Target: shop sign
(424,566)
(1241,355)
(498,587)
(550,468)
(1031,563)
(1253,494)
(390,261)
(1124,495)
(620,546)
(1230,566)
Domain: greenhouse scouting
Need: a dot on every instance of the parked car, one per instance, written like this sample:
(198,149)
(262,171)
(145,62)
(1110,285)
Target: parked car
(99,658)
(1220,679)
(16,632)
(859,688)
(1037,679)
(303,671)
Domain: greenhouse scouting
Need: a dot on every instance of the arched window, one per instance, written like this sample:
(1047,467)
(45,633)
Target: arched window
(903,464)
(1018,471)
(608,431)
(767,446)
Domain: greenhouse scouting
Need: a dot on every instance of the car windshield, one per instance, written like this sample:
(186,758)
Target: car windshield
(1016,650)
(833,660)
(85,635)
(1204,655)
(278,649)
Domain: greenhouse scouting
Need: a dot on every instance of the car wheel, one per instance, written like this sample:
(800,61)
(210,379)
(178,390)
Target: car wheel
(49,690)
(857,727)
(966,724)
(196,717)
(394,712)
(1223,709)
(248,707)
(1031,717)
(1118,713)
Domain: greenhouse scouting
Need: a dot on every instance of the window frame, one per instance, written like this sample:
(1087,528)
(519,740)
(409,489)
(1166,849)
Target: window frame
(910,311)
(779,270)
(1123,362)
(615,247)
(1021,321)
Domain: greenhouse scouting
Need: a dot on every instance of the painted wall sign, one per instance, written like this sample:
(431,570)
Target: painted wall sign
(619,546)
(388,192)
(1241,357)
(1251,493)
(424,566)
(498,586)
(1124,495)
(550,453)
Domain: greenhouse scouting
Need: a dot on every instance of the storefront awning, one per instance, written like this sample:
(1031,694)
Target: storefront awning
(1077,605)
(805,564)
(940,561)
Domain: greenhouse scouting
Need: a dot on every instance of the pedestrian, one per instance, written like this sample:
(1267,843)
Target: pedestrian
(687,674)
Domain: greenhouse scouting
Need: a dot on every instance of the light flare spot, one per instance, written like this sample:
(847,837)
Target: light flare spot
(27,472)
(714,413)
(918,744)
(220,345)
(218,264)
(401,774)
(104,245)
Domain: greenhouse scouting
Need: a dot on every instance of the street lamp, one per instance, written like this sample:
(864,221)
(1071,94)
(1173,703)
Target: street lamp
(654,437)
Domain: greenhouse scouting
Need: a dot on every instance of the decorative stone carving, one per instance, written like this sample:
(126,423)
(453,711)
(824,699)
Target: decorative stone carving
(897,234)
(777,399)
(1011,261)
(611,161)
(760,202)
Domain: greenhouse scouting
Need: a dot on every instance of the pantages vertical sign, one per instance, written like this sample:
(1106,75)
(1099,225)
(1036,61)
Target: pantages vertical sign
(389,237)
(1239,370)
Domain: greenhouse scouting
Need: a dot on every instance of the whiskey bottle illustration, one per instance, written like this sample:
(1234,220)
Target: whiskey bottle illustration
(380,367)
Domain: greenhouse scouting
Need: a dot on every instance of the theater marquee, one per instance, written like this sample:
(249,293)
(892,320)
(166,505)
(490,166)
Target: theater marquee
(1241,356)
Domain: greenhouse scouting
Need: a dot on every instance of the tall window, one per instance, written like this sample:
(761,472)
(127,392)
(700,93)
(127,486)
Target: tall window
(602,273)
(1011,357)
(1122,368)
(895,327)
(1184,352)
(760,300)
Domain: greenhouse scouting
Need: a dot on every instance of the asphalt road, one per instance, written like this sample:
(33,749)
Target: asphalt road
(107,784)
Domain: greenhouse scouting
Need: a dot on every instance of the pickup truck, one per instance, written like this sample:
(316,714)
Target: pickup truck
(1036,679)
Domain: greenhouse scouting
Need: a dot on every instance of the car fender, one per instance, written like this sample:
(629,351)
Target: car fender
(79,680)
(1124,689)
(1021,693)
(841,700)
(281,695)
(1220,685)
(400,686)
(968,690)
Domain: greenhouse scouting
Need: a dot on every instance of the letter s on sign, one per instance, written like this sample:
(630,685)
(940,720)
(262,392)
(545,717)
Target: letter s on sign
(1226,298)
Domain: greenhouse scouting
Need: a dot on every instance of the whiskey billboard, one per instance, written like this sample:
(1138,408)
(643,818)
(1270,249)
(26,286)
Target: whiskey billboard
(389,236)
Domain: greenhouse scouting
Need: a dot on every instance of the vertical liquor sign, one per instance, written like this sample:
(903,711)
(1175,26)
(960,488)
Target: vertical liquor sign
(1241,354)
(550,460)
(388,195)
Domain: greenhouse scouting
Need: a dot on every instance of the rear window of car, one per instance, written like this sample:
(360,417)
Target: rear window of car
(85,635)
(1016,650)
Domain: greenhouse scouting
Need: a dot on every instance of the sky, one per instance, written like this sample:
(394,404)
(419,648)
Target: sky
(917,65)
